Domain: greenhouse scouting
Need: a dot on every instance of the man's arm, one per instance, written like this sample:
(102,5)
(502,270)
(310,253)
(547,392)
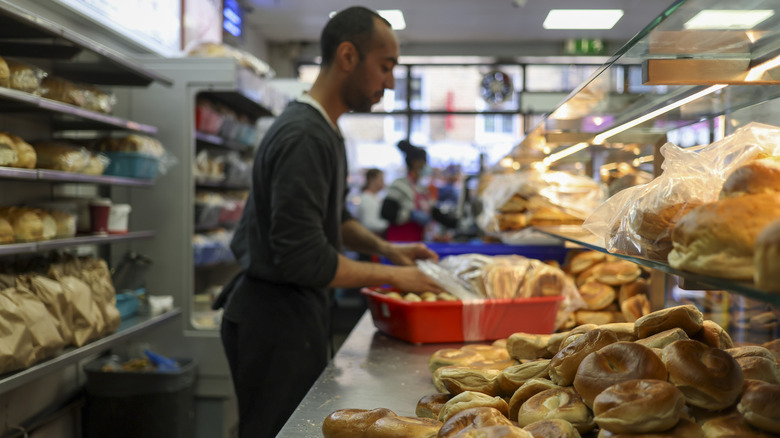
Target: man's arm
(351,274)
(358,238)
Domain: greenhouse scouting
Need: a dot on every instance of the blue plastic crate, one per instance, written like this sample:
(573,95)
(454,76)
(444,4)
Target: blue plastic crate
(127,302)
(131,165)
(539,252)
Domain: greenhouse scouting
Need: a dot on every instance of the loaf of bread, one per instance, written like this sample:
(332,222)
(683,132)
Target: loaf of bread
(62,156)
(24,77)
(766,258)
(655,228)
(753,177)
(719,238)
(61,90)
(23,154)
(5,74)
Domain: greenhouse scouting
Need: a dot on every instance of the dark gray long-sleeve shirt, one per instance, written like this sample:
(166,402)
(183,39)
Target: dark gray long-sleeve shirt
(290,232)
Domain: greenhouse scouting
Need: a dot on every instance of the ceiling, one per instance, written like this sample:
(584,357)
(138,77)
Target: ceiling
(452,21)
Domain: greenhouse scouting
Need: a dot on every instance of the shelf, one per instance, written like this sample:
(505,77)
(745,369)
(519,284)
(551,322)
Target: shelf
(220,186)
(215,140)
(71,177)
(15,101)
(577,236)
(48,245)
(127,329)
(239,102)
(29,33)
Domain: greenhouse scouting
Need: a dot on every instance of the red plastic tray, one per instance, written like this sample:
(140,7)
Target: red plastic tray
(447,321)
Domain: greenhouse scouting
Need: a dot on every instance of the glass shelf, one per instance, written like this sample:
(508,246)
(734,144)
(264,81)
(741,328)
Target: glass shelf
(578,236)
(675,62)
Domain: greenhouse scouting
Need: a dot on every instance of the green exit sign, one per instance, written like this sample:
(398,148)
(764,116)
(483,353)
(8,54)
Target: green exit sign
(584,46)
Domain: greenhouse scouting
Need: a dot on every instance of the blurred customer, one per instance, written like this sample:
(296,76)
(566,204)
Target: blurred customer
(370,206)
(408,205)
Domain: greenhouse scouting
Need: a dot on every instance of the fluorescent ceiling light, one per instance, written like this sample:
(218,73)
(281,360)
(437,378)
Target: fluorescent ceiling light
(582,18)
(728,19)
(565,153)
(394,16)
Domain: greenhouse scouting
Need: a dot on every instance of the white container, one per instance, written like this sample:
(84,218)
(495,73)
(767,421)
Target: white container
(118,217)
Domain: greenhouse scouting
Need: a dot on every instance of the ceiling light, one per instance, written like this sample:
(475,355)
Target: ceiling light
(564,153)
(394,16)
(582,18)
(728,19)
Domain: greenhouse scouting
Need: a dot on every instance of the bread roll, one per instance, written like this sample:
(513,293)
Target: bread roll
(760,368)
(471,399)
(714,335)
(7,151)
(635,307)
(729,425)
(412,427)
(584,260)
(623,330)
(661,340)
(551,215)
(655,228)
(719,238)
(430,405)
(552,428)
(25,154)
(749,351)
(561,403)
(513,377)
(347,423)
(760,407)
(639,406)
(766,258)
(754,177)
(24,77)
(27,225)
(597,317)
(528,346)
(628,290)
(511,221)
(686,317)
(563,366)
(708,377)
(471,419)
(597,296)
(461,379)
(617,273)
(773,347)
(6,231)
(516,204)
(5,74)
(613,364)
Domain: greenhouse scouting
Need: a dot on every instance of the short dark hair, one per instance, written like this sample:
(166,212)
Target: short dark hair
(371,174)
(354,24)
(413,153)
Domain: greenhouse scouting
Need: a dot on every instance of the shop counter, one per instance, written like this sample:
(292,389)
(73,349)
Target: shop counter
(371,370)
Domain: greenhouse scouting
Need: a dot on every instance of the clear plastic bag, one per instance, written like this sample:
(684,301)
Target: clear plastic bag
(638,221)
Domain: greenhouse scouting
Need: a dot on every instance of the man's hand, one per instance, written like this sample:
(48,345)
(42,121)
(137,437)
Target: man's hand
(411,279)
(405,254)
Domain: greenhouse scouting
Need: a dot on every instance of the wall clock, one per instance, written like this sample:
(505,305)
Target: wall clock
(496,87)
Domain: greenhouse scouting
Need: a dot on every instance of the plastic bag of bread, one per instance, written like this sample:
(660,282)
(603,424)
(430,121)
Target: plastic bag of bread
(5,74)
(61,90)
(16,343)
(26,223)
(242,57)
(639,220)
(24,77)
(514,201)
(15,152)
(62,156)
(96,99)
(137,143)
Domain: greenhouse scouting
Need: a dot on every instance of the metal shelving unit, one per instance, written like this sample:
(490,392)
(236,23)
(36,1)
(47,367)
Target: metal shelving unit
(10,173)
(217,141)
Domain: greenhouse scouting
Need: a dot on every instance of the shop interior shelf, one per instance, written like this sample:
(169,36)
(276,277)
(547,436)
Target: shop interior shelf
(240,102)
(30,36)
(71,177)
(15,101)
(129,328)
(215,140)
(582,238)
(220,186)
(48,245)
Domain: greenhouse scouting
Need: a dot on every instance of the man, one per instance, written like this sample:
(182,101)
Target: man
(275,328)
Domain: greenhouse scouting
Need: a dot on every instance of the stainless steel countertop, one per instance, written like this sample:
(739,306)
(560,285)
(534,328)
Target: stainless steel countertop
(371,370)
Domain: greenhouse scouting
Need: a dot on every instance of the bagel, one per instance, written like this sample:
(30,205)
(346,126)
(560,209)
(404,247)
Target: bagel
(562,403)
(684,429)
(552,428)
(528,346)
(347,423)
(760,405)
(616,363)
(563,366)
(429,406)
(470,399)
(639,406)
(714,335)
(471,419)
(597,295)
(453,356)
(513,377)
(411,427)
(461,379)
(686,317)
(661,340)
(528,390)
(708,377)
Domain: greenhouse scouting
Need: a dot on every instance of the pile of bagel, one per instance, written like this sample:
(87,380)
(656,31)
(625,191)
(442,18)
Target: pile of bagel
(671,373)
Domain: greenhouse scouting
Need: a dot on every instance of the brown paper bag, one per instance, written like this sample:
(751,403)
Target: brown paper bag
(95,273)
(46,338)
(88,323)
(16,344)
(51,294)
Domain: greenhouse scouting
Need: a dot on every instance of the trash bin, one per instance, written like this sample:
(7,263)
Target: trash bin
(147,404)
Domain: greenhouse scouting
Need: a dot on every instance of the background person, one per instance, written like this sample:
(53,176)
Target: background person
(370,206)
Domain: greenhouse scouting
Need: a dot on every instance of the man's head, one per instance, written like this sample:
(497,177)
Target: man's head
(362,46)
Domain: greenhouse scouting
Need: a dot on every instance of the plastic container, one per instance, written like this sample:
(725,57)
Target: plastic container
(131,165)
(118,218)
(456,321)
(99,210)
(539,252)
(127,302)
(140,404)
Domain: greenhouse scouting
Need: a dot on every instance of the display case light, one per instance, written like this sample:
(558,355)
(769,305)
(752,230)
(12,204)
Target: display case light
(582,18)
(565,153)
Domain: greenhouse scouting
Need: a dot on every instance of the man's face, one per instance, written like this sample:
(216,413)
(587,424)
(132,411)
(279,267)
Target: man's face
(366,85)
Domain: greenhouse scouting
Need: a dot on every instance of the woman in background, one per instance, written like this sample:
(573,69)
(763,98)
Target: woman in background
(371,204)
(408,205)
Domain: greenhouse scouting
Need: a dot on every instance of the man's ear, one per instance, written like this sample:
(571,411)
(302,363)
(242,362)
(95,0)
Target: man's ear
(347,56)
